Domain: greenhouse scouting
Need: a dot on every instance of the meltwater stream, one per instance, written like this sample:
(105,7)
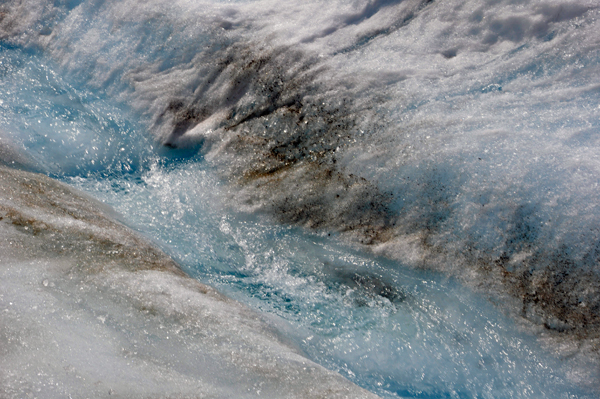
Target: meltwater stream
(407,189)
(395,331)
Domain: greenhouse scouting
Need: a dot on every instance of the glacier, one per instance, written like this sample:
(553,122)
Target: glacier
(406,192)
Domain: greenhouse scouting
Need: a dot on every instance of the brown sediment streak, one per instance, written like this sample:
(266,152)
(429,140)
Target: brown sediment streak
(279,126)
(72,224)
(288,121)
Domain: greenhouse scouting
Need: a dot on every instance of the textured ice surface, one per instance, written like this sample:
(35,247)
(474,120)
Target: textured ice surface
(89,309)
(452,134)
(383,326)
(457,136)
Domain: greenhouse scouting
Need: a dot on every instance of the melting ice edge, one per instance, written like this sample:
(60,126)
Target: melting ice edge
(470,149)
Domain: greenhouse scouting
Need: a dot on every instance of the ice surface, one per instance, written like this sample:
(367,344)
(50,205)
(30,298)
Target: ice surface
(89,309)
(457,136)
(389,329)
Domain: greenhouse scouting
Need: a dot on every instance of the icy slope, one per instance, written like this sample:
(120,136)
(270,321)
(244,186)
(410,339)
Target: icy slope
(450,135)
(89,309)
(453,136)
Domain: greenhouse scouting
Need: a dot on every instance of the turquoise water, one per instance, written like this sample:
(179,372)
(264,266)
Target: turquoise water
(93,119)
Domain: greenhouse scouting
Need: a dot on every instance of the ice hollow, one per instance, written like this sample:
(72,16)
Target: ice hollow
(91,309)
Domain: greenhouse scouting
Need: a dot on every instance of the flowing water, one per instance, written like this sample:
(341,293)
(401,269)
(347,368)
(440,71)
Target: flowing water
(408,189)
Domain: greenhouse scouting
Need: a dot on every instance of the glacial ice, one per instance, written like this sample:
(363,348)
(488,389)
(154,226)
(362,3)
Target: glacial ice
(90,309)
(448,136)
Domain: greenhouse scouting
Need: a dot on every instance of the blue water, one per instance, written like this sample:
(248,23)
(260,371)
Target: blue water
(481,154)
